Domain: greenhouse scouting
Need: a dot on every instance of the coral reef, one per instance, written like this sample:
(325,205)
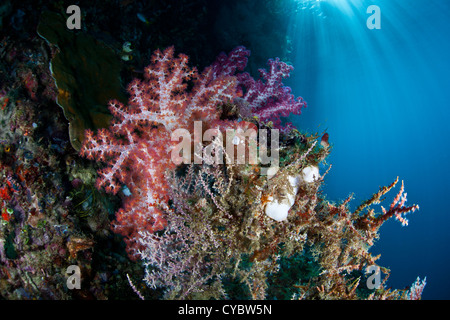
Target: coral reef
(202,229)
(137,146)
(139,224)
(52,216)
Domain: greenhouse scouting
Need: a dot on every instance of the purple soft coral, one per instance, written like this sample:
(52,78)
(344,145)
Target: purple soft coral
(267,96)
(228,64)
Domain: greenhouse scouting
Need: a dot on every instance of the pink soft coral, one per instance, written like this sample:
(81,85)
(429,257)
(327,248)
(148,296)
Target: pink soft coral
(136,147)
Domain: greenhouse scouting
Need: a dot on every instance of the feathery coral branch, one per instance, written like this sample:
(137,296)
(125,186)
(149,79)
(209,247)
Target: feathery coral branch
(267,96)
(396,209)
(415,292)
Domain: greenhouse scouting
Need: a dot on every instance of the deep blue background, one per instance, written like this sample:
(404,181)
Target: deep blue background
(384,98)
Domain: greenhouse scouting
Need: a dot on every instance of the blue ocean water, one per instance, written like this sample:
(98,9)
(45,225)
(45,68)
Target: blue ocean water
(383,95)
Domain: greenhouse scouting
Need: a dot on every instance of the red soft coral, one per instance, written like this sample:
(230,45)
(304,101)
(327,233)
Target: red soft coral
(136,147)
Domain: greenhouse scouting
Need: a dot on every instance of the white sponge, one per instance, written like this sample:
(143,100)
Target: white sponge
(279,210)
(310,174)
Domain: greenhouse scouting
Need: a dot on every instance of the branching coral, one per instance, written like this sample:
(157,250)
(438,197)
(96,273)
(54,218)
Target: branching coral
(202,229)
(137,146)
